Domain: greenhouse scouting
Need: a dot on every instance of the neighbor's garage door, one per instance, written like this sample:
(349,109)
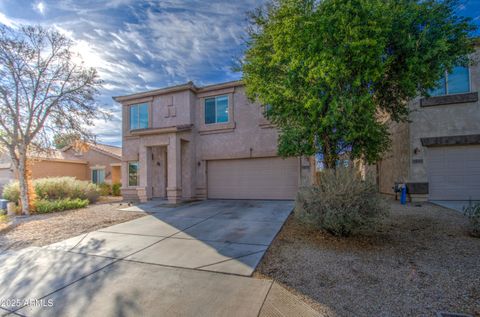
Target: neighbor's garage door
(259,178)
(454,172)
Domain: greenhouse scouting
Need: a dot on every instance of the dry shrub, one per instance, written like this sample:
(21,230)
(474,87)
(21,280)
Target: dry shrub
(342,203)
(117,189)
(105,189)
(55,188)
(473,214)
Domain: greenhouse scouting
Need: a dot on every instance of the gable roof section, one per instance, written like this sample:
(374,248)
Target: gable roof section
(113,151)
(110,150)
(55,155)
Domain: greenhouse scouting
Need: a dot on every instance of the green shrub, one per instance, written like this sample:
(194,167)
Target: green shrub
(473,214)
(105,189)
(116,189)
(43,206)
(11,192)
(55,188)
(342,204)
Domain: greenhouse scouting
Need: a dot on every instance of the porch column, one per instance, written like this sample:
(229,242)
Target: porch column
(143,174)
(174,170)
(124,175)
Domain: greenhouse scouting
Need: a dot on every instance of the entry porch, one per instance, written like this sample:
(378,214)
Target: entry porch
(163,168)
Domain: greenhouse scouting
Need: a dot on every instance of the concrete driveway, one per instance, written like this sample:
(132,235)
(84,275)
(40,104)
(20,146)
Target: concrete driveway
(190,261)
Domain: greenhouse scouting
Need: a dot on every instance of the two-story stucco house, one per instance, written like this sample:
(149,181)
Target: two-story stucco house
(188,142)
(438,152)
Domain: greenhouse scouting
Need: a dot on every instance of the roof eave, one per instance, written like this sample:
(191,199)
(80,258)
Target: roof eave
(156,92)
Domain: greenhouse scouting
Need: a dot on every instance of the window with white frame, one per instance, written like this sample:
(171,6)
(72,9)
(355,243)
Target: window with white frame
(139,116)
(98,176)
(455,82)
(216,110)
(133,171)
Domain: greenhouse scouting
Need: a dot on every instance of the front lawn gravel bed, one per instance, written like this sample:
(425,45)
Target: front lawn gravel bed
(421,261)
(43,229)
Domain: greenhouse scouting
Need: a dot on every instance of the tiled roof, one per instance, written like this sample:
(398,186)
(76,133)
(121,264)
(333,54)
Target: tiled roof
(109,149)
(54,154)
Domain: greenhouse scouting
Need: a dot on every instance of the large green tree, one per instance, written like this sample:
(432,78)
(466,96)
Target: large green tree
(331,70)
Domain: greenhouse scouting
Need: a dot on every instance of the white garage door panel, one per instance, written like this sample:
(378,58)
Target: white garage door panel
(454,172)
(259,178)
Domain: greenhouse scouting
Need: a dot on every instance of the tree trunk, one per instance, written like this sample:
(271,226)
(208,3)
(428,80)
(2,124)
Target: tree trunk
(329,153)
(23,183)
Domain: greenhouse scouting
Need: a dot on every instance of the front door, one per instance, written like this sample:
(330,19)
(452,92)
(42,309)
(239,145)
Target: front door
(158,172)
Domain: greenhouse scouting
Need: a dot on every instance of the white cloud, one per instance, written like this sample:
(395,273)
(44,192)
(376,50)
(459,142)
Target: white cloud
(138,45)
(7,21)
(40,7)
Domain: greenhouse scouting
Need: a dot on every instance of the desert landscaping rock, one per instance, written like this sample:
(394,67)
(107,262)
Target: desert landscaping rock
(40,230)
(422,260)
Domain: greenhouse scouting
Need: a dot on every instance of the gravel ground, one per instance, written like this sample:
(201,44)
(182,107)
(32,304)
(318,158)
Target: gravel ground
(40,230)
(422,260)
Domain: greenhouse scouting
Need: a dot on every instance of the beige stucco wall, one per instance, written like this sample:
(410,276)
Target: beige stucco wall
(6,175)
(171,109)
(395,163)
(52,168)
(6,170)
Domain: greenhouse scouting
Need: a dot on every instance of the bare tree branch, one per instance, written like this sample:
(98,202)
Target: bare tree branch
(43,89)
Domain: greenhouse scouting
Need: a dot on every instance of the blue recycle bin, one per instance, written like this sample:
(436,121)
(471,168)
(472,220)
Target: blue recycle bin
(403,195)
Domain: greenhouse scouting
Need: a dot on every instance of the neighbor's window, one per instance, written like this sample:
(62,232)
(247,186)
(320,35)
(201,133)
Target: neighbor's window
(216,110)
(139,116)
(456,82)
(133,174)
(98,176)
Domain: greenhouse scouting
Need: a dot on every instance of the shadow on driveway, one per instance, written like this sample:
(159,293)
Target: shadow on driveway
(220,236)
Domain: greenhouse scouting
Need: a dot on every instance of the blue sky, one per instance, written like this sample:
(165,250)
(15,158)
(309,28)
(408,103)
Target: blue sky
(142,45)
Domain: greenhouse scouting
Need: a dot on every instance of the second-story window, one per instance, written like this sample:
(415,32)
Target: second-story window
(139,116)
(455,82)
(216,110)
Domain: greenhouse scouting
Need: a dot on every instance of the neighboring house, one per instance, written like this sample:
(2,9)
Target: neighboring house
(98,163)
(438,153)
(6,170)
(103,162)
(188,142)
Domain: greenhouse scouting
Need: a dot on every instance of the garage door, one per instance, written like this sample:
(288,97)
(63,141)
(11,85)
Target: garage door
(260,178)
(454,172)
